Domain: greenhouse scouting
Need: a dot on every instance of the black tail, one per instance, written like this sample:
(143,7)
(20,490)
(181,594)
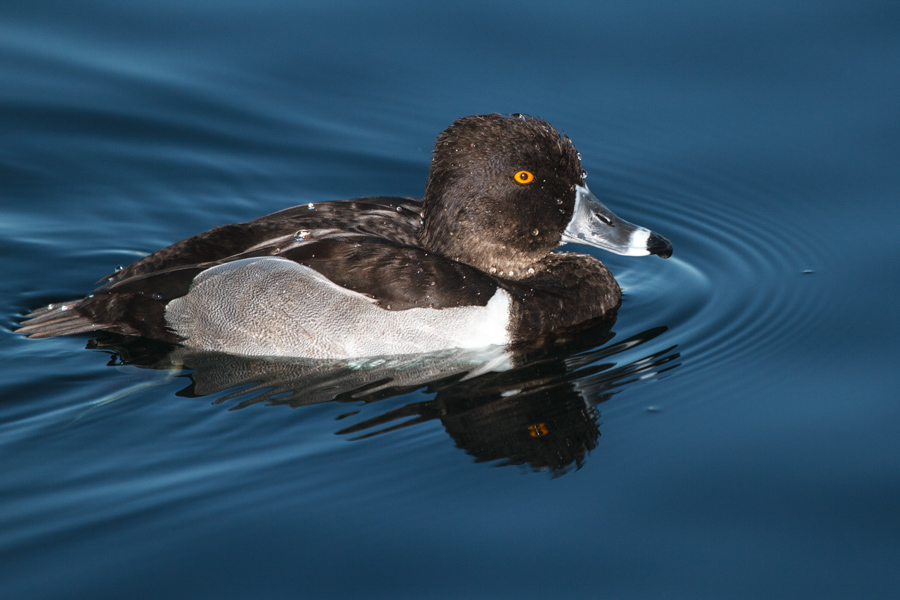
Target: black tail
(56,320)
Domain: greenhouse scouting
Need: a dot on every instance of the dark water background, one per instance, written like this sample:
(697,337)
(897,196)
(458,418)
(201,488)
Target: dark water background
(737,436)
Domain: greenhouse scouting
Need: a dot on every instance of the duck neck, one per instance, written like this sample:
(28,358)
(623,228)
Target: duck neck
(480,248)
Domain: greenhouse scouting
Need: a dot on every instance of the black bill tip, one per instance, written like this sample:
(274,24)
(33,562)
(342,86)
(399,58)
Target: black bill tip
(659,245)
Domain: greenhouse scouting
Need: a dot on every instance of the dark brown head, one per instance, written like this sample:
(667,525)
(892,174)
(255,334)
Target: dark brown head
(504,191)
(500,192)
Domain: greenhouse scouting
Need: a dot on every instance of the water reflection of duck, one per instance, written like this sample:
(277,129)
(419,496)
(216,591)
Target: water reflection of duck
(470,265)
(542,414)
(535,406)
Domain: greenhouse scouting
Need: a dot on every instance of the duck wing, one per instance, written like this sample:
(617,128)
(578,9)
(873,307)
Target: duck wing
(393,218)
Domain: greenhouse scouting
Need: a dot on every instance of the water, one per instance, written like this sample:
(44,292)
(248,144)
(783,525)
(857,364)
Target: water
(734,435)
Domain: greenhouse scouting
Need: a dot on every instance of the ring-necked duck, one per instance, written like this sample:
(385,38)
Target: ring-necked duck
(469,265)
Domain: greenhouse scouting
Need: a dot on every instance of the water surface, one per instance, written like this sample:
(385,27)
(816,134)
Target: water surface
(732,435)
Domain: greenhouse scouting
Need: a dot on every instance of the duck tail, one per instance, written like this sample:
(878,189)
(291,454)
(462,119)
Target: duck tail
(56,320)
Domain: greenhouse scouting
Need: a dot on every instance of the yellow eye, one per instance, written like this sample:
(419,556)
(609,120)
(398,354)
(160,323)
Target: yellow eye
(538,430)
(524,177)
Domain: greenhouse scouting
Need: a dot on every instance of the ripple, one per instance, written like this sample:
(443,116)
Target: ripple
(735,286)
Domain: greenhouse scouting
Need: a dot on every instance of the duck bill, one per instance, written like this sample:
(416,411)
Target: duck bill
(595,225)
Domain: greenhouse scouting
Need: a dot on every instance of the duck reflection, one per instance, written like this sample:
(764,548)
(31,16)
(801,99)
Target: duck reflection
(534,406)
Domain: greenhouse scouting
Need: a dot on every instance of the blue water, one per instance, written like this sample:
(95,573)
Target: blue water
(734,435)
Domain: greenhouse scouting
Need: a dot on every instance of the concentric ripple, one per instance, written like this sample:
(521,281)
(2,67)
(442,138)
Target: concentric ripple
(735,284)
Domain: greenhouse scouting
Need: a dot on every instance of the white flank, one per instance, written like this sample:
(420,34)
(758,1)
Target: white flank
(276,307)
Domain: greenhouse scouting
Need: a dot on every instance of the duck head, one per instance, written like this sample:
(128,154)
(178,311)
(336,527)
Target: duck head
(505,191)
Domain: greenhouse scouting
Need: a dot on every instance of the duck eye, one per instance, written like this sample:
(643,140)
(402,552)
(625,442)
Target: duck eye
(524,177)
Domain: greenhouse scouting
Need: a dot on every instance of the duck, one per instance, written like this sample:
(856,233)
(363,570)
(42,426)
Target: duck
(474,263)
